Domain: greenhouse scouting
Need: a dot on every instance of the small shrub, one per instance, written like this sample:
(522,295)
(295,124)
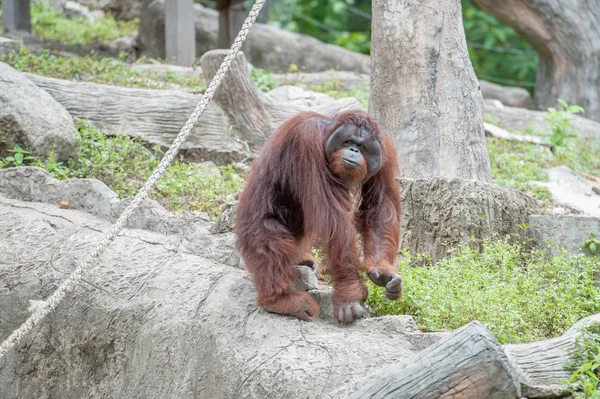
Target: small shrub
(264,80)
(519,295)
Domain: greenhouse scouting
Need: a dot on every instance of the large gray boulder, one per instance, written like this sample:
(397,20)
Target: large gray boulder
(8,46)
(160,317)
(270,48)
(31,118)
(511,96)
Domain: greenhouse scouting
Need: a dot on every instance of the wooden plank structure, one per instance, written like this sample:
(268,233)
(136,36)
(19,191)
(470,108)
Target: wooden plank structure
(180,33)
(16,15)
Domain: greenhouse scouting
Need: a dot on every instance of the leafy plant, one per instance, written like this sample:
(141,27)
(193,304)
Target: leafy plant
(592,244)
(585,380)
(125,163)
(264,80)
(19,158)
(520,295)
(560,123)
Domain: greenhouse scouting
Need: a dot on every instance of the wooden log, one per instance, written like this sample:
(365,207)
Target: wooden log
(16,15)
(180,32)
(222,135)
(540,366)
(469,363)
(154,115)
(248,107)
(498,132)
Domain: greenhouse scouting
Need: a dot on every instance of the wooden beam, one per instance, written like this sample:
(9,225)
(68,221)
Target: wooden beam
(16,15)
(180,33)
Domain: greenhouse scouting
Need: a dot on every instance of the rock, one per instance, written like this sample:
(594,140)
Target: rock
(307,279)
(127,44)
(29,116)
(163,69)
(75,10)
(300,97)
(98,14)
(520,119)
(150,303)
(226,220)
(511,96)
(270,48)
(8,46)
(568,232)
(338,80)
(155,300)
(571,190)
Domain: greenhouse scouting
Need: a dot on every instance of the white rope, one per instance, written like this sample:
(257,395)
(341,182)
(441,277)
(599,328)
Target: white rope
(71,282)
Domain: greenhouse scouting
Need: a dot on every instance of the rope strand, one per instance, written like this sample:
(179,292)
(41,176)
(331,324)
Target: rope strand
(71,282)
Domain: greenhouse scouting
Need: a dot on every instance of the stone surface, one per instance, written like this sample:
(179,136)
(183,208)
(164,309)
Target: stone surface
(8,46)
(568,232)
(154,320)
(160,317)
(163,69)
(30,117)
(300,97)
(94,197)
(72,9)
(511,96)
(571,190)
(520,119)
(343,80)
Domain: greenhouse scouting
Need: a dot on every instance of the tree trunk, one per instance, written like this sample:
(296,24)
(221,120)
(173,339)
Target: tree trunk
(566,36)
(424,90)
(469,363)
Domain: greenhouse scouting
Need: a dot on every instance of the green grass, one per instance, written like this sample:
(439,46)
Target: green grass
(50,25)
(97,69)
(520,296)
(125,163)
(516,164)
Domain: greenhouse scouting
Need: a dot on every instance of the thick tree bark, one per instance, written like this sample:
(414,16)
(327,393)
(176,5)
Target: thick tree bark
(424,90)
(566,36)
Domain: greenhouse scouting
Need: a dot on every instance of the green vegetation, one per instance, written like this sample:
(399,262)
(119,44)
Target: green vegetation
(496,51)
(97,69)
(585,380)
(125,163)
(50,25)
(516,164)
(264,80)
(592,244)
(521,296)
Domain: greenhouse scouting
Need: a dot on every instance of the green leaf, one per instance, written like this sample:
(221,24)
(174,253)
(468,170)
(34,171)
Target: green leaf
(592,236)
(19,158)
(593,247)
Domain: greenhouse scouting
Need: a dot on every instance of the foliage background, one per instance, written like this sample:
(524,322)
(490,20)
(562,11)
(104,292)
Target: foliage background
(498,54)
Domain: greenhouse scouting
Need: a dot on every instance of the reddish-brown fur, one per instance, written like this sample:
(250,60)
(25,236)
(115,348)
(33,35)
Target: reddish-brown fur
(294,194)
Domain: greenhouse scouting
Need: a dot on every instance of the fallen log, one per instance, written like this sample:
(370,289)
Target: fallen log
(468,363)
(222,135)
(521,119)
(498,132)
